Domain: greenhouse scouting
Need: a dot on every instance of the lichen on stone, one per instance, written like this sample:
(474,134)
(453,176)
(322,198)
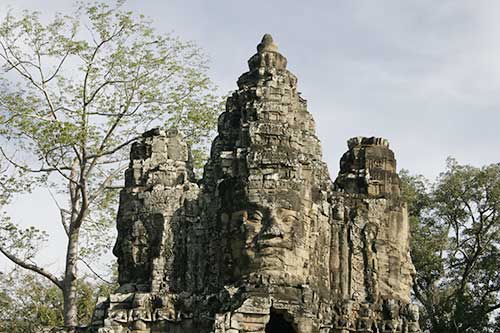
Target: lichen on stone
(265,241)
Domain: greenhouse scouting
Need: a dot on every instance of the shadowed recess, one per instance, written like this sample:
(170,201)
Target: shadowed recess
(278,324)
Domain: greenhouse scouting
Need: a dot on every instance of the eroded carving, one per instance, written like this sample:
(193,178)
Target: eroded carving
(265,239)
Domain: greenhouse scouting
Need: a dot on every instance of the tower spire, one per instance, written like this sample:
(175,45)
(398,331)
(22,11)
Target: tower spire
(267,61)
(267,44)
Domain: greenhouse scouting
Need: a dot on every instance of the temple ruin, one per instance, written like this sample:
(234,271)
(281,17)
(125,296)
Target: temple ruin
(265,241)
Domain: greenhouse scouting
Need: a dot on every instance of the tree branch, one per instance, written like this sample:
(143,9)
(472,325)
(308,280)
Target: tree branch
(115,149)
(94,272)
(62,213)
(33,268)
(58,68)
(25,168)
(106,183)
(98,89)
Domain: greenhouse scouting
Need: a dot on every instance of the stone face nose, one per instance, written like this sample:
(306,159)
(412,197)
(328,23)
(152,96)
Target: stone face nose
(272,228)
(272,231)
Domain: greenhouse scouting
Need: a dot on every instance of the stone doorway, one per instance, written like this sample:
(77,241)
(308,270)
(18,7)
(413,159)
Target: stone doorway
(280,322)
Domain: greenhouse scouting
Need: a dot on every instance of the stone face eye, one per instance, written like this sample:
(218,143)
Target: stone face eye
(290,219)
(255,216)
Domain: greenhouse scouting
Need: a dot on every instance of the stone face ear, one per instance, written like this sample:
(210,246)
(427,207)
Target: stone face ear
(265,241)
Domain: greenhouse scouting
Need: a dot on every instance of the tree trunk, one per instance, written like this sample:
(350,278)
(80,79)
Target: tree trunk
(69,284)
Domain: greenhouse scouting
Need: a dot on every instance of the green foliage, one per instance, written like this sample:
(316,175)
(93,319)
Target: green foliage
(26,240)
(89,84)
(456,246)
(29,303)
(76,91)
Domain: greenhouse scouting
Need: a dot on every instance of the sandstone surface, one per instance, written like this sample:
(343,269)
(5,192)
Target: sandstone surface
(265,241)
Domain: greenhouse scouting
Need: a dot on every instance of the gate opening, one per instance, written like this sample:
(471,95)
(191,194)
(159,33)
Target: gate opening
(279,324)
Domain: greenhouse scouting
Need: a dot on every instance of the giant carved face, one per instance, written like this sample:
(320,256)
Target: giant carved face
(131,249)
(270,242)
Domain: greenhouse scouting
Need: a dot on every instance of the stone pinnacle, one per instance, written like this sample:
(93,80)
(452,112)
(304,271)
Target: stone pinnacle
(265,241)
(267,44)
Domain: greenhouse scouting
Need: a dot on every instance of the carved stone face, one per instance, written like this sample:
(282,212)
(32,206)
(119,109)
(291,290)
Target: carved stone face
(271,242)
(132,251)
(413,312)
(391,309)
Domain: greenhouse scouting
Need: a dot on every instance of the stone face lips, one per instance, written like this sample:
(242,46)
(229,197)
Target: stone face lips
(265,241)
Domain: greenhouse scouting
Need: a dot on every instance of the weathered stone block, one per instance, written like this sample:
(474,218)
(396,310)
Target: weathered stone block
(265,241)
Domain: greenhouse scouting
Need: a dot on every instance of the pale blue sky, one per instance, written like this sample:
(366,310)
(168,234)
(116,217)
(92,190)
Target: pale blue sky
(424,74)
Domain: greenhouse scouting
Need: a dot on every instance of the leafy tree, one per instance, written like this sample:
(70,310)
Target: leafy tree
(456,246)
(29,303)
(76,92)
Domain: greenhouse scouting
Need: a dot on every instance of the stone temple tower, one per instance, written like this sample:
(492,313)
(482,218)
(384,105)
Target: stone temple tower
(265,241)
